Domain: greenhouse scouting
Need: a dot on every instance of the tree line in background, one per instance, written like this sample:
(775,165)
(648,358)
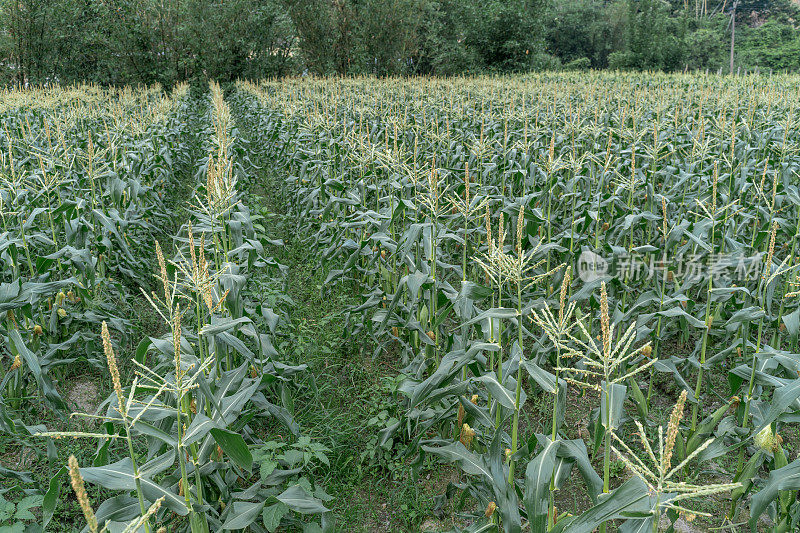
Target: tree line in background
(166,41)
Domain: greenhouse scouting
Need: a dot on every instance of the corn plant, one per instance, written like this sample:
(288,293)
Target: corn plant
(545,258)
(677,184)
(176,443)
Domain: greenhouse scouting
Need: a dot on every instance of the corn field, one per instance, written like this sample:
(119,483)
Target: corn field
(585,286)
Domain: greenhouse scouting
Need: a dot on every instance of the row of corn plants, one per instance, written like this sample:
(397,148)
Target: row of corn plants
(197,433)
(81,199)
(83,173)
(605,243)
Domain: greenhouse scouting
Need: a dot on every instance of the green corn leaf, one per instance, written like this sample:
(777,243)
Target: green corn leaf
(234,447)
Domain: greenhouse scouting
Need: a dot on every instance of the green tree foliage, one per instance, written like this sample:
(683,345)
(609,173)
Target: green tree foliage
(442,48)
(705,47)
(322,29)
(166,41)
(674,35)
(656,38)
(586,29)
(774,45)
(129,42)
(388,34)
(504,33)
